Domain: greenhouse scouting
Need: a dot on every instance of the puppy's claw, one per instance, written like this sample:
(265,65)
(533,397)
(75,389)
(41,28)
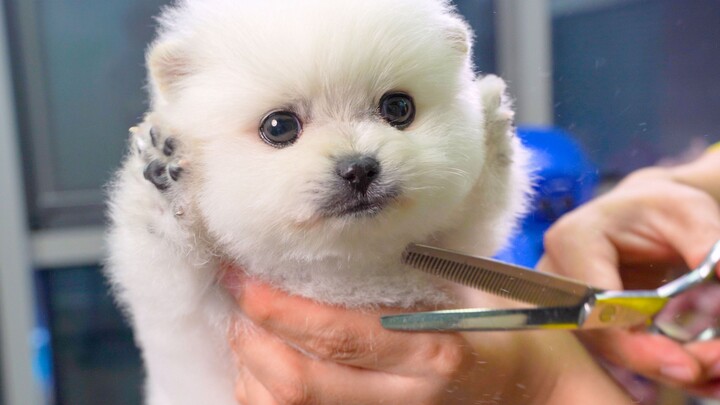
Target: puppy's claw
(155,173)
(137,141)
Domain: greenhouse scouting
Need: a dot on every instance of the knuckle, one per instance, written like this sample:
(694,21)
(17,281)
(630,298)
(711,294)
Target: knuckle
(259,315)
(702,199)
(339,345)
(449,359)
(563,233)
(255,303)
(292,392)
(554,238)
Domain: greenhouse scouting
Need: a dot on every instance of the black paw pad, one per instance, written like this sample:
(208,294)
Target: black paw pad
(169,147)
(154,136)
(175,170)
(159,151)
(156,174)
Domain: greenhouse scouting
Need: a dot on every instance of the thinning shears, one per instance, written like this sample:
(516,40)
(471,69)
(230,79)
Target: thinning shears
(560,303)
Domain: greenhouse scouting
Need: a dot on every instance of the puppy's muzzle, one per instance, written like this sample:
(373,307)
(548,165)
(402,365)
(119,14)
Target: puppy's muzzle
(358,171)
(358,188)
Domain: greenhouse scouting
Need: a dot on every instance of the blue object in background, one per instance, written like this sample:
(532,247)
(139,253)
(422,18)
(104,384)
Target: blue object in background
(565,178)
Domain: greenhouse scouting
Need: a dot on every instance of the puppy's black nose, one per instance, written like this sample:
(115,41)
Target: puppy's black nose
(358,171)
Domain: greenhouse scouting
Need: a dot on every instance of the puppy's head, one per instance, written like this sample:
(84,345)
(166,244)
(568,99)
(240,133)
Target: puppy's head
(321,128)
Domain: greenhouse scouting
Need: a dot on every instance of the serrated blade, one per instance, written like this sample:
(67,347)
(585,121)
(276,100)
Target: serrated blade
(496,277)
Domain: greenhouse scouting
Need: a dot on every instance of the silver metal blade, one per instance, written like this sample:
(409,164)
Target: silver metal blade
(487,320)
(498,278)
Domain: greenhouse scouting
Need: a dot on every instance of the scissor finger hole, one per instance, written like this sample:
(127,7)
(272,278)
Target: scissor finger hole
(692,315)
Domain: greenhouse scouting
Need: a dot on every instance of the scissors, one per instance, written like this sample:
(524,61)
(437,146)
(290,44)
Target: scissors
(560,303)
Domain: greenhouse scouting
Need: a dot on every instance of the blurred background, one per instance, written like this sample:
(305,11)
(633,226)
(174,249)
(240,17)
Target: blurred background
(603,87)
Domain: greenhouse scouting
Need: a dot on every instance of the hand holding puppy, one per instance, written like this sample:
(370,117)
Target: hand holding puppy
(294,351)
(290,350)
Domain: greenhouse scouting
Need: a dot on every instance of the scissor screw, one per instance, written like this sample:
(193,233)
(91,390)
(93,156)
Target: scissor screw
(607,314)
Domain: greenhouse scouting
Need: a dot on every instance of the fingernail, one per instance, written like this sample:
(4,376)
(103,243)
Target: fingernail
(678,373)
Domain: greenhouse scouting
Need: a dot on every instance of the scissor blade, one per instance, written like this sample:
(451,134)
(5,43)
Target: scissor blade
(487,320)
(498,278)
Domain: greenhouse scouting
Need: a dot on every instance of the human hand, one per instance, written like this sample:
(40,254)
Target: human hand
(647,224)
(291,350)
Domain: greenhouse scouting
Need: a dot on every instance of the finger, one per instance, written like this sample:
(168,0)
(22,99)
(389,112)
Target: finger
(572,241)
(691,227)
(254,392)
(240,390)
(235,333)
(708,353)
(350,337)
(653,356)
(675,220)
(293,378)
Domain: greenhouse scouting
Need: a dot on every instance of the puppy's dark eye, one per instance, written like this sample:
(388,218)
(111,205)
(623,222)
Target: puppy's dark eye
(397,109)
(280,128)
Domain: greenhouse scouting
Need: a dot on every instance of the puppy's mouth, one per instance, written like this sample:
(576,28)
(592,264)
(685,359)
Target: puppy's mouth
(360,187)
(359,205)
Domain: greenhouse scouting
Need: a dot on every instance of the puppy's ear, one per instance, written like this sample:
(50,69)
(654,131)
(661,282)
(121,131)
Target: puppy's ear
(459,34)
(167,66)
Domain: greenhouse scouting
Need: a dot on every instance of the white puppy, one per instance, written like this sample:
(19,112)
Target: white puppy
(308,142)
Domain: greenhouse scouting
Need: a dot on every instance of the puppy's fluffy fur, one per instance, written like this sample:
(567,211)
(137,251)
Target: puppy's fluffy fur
(216,68)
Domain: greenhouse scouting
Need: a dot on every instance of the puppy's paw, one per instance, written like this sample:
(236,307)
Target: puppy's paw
(160,152)
(497,105)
